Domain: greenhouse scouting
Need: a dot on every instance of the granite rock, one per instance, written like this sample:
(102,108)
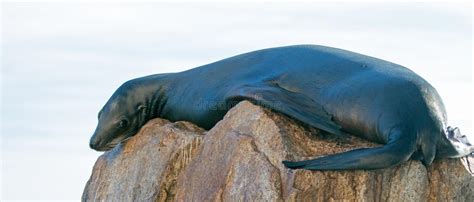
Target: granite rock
(240,160)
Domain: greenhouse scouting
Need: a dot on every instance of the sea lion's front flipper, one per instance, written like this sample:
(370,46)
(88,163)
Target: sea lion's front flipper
(292,104)
(394,153)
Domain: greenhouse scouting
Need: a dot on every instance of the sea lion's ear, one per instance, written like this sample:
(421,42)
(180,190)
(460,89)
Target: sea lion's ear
(141,107)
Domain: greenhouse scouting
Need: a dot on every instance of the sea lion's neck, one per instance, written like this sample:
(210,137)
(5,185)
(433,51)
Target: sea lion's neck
(154,88)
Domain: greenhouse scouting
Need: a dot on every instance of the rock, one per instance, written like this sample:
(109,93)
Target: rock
(240,160)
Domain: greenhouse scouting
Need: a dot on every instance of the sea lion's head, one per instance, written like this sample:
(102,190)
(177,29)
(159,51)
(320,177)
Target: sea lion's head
(459,145)
(120,118)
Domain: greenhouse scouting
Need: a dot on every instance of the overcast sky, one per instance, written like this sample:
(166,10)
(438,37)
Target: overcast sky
(61,62)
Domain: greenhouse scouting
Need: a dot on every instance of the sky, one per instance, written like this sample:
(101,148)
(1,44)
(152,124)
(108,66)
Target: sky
(60,62)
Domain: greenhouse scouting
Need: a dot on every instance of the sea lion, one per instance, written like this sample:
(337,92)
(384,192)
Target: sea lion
(337,91)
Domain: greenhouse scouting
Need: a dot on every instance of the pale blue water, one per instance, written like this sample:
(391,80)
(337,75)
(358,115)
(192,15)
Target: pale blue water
(61,62)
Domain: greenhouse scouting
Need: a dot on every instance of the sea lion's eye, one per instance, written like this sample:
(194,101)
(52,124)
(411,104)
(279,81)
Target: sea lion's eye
(122,123)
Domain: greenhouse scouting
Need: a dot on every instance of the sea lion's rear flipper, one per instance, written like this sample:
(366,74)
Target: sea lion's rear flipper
(394,153)
(292,104)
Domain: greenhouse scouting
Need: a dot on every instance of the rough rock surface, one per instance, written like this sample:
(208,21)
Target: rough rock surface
(240,160)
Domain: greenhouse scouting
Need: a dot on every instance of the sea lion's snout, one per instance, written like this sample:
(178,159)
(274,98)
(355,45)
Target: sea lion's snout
(95,143)
(107,136)
(100,140)
(95,146)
